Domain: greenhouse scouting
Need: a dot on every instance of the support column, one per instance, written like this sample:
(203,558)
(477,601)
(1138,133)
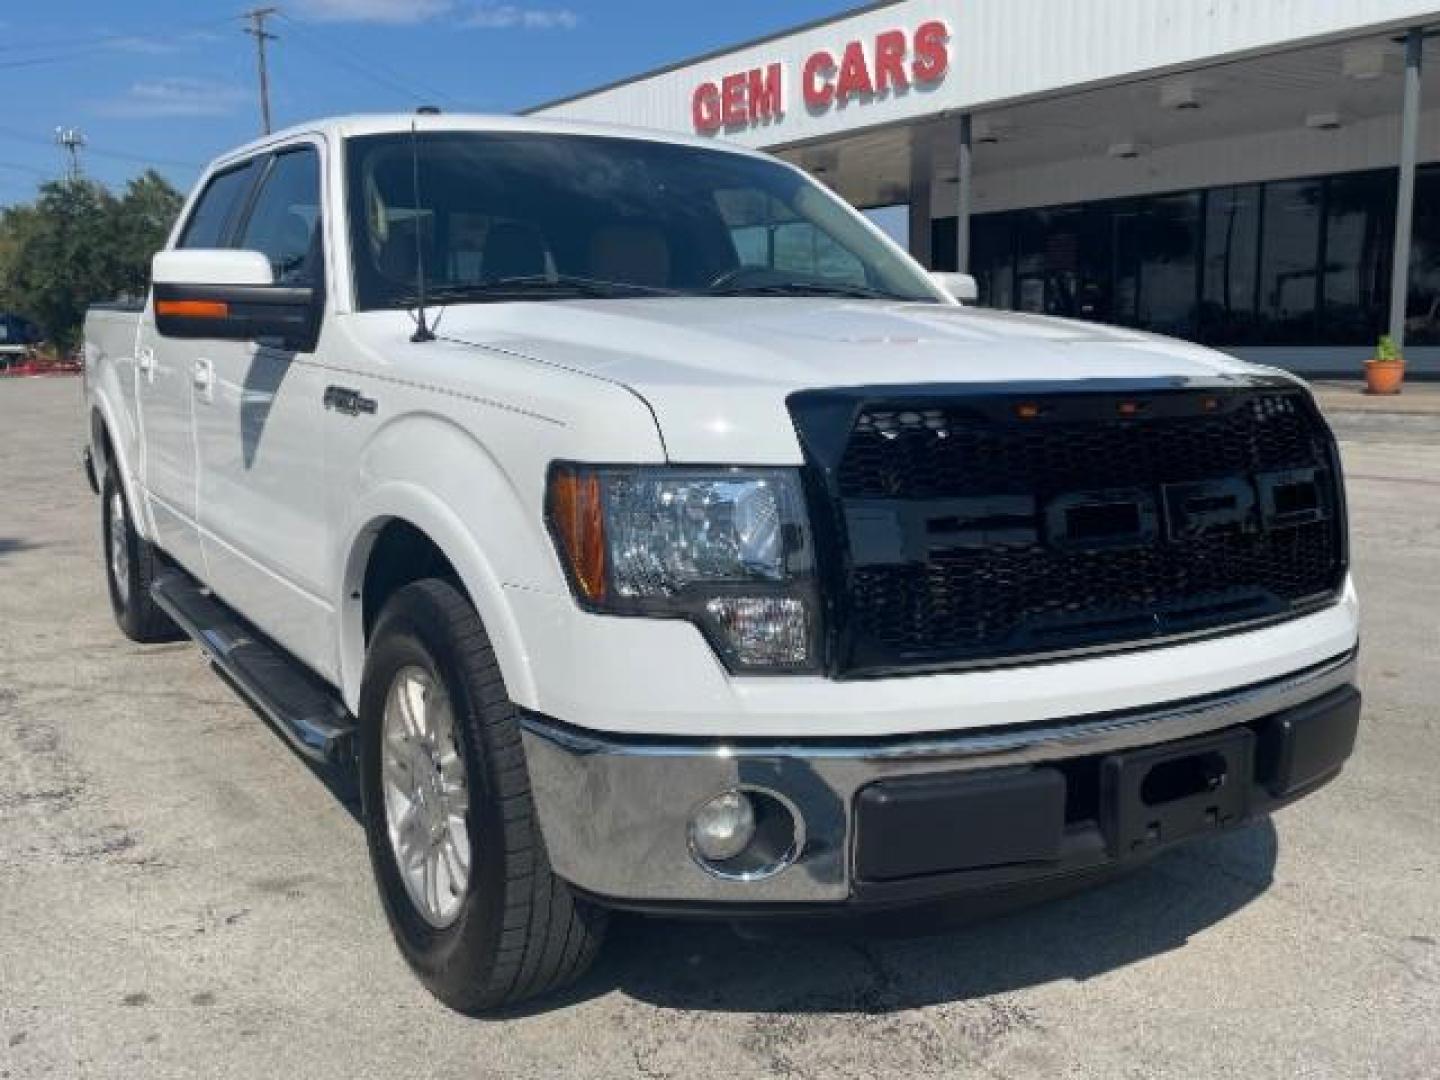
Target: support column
(920,182)
(964,171)
(1405,197)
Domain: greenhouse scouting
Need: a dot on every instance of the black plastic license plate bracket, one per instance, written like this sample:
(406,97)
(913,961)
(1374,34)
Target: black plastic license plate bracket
(1162,794)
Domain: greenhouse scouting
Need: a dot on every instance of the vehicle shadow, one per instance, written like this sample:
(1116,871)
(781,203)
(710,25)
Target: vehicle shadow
(891,962)
(9,545)
(944,954)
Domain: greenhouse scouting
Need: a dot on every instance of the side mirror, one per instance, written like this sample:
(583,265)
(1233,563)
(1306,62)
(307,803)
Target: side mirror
(961,286)
(227,295)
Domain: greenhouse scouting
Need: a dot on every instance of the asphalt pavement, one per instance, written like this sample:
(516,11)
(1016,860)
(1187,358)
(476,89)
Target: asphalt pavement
(181,896)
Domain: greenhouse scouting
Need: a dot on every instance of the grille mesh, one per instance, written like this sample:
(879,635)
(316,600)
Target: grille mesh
(1009,597)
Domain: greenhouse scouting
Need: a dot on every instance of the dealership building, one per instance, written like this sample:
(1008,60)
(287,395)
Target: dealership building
(1259,175)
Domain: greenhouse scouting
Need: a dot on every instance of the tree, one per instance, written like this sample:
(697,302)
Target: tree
(77,244)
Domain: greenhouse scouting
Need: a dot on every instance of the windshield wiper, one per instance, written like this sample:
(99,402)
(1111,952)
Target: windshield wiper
(806,288)
(533,286)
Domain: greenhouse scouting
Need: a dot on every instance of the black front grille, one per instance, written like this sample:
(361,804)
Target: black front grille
(969,529)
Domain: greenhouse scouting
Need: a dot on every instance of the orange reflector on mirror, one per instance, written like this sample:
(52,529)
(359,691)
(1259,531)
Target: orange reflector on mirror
(193,309)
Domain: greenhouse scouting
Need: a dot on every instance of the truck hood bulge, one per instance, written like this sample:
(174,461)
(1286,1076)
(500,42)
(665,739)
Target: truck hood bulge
(716,372)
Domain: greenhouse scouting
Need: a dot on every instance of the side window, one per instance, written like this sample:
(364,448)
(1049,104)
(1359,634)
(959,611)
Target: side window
(284,223)
(769,235)
(216,207)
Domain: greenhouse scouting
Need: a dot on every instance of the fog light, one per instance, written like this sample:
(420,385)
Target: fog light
(722,828)
(764,631)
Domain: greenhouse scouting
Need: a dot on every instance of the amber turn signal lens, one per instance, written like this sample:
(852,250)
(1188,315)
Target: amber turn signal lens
(193,309)
(579,523)
(1027,410)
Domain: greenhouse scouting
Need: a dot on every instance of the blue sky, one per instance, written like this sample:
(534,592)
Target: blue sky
(172,83)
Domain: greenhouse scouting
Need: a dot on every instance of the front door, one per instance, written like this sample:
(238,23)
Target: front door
(167,373)
(257,426)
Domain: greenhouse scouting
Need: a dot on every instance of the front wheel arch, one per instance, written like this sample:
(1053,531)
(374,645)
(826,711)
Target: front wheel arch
(428,525)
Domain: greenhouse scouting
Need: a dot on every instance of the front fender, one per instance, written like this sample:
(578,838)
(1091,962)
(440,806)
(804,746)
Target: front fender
(423,510)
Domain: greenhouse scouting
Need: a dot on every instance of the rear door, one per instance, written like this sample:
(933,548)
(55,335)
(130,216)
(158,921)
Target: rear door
(258,426)
(167,370)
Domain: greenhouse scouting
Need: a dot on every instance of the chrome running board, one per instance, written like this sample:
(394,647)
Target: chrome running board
(305,709)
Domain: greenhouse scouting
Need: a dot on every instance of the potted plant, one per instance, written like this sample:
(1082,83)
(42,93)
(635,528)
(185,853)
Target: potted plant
(1386,370)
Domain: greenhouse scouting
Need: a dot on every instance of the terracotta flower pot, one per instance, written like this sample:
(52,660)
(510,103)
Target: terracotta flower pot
(1384,376)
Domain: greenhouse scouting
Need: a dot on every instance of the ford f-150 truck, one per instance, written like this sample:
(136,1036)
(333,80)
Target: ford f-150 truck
(651,532)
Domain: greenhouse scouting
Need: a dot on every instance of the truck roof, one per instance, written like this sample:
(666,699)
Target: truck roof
(345,127)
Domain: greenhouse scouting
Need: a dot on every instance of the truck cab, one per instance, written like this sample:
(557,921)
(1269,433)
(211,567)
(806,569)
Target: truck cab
(648,531)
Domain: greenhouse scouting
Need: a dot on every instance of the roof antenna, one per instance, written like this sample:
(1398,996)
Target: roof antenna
(422,329)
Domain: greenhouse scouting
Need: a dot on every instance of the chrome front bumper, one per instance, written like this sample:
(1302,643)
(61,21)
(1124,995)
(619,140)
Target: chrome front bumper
(615,811)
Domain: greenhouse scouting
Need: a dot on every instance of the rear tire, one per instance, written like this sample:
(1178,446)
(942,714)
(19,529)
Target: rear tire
(130,566)
(495,926)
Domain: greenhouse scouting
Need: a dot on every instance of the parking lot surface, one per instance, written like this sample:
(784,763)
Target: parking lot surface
(180,896)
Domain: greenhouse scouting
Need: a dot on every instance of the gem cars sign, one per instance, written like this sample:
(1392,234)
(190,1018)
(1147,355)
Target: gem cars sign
(864,72)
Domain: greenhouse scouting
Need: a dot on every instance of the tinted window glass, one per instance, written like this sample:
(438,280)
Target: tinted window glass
(1290,252)
(217,207)
(992,259)
(284,223)
(1359,238)
(622,214)
(1167,263)
(1422,323)
(1232,248)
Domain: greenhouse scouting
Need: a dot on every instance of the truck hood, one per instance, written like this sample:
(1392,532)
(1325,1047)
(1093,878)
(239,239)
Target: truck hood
(716,372)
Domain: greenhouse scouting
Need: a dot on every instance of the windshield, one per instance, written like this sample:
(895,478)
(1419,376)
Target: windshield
(503,216)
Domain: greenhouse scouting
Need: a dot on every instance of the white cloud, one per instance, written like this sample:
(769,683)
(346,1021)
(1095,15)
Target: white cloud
(513,17)
(160,46)
(175,97)
(373,11)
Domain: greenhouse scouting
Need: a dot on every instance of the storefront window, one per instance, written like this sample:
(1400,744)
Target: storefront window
(992,259)
(1063,262)
(1156,263)
(1422,323)
(1359,239)
(1232,247)
(1289,260)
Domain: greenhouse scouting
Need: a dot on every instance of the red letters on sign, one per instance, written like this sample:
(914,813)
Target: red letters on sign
(890,49)
(705,108)
(932,53)
(819,71)
(854,74)
(739,100)
(767,97)
(889,67)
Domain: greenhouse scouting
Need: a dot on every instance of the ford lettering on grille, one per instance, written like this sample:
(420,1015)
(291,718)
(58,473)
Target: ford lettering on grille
(980,528)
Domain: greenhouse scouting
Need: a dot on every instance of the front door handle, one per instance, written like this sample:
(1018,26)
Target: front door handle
(203,377)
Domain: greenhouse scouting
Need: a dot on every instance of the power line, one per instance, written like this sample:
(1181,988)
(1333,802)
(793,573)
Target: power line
(61,52)
(99,151)
(257,30)
(361,65)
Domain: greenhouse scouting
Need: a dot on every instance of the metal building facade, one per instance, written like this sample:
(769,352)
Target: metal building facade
(1081,104)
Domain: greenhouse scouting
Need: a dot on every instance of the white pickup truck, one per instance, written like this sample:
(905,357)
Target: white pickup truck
(651,532)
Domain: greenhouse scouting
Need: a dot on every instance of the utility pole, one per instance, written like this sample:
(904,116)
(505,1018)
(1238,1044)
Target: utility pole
(72,141)
(257,30)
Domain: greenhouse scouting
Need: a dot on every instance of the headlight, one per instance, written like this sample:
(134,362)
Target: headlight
(729,549)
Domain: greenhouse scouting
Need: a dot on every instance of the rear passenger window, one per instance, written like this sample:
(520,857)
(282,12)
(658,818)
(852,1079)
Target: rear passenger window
(216,208)
(285,221)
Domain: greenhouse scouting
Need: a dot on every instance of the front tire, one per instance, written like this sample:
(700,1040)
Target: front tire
(451,827)
(131,564)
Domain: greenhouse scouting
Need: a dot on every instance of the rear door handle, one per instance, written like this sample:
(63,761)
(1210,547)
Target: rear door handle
(145,361)
(203,376)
